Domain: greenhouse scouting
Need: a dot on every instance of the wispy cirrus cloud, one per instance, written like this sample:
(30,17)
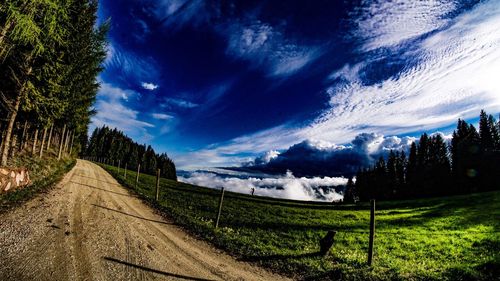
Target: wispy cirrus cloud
(265,45)
(131,66)
(112,111)
(178,103)
(452,75)
(177,13)
(161,116)
(384,23)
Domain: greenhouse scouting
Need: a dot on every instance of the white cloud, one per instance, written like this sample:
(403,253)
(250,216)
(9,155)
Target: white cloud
(149,86)
(348,72)
(130,64)
(455,78)
(384,23)
(176,13)
(177,102)
(264,45)
(161,116)
(112,111)
(453,74)
(266,157)
(287,186)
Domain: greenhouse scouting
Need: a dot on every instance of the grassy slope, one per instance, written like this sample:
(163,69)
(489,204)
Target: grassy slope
(44,174)
(455,238)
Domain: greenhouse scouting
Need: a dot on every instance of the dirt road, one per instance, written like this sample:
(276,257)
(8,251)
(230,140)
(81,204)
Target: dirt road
(90,228)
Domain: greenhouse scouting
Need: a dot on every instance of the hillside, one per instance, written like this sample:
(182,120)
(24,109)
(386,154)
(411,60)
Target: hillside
(448,238)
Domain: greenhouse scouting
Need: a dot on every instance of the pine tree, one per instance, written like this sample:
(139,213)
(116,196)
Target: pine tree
(31,28)
(486,131)
(350,193)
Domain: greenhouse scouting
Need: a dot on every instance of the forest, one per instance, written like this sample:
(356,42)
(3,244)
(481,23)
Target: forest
(51,52)
(434,167)
(113,147)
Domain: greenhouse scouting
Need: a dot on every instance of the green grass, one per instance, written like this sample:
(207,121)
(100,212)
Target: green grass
(453,238)
(44,174)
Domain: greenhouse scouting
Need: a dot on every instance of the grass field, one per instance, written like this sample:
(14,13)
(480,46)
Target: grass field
(454,238)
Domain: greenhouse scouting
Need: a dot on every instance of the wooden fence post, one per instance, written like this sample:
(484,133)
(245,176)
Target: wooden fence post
(157,184)
(220,207)
(327,242)
(137,176)
(125,171)
(372,231)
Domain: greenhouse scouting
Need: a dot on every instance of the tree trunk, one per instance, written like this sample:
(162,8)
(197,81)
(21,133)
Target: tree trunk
(66,142)
(12,117)
(71,145)
(13,146)
(50,138)
(3,139)
(3,34)
(8,134)
(33,151)
(23,136)
(61,142)
(43,141)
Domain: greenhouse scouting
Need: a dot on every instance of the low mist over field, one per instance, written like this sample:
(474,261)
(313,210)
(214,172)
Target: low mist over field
(285,186)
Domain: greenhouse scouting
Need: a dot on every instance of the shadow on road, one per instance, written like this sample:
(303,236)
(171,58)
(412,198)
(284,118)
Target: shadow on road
(131,215)
(102,189)
(154,270)
(96,179)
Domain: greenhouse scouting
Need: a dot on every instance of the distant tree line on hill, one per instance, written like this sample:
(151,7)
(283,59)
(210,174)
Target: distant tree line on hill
(469,163)
(51,52)
(117,148)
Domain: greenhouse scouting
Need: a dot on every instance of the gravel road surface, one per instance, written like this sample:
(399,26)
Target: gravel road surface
(91,228)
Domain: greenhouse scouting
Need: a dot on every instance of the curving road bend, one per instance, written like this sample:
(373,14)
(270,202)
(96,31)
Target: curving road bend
(91,228)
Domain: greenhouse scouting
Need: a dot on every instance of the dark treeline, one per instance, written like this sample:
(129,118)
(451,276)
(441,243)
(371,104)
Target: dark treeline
(470,163)
(51,52)
(118,149)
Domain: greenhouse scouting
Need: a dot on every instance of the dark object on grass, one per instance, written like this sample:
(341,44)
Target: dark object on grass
(326,242)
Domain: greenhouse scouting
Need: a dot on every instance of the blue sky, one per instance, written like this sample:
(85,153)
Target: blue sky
(216,83)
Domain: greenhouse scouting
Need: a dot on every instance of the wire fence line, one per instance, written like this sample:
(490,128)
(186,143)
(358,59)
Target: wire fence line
(345,232)
(428,233)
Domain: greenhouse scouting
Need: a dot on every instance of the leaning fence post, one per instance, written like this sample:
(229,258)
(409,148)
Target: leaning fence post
(372,231)
(220,207)
(137,177)
(327,242)
(125,171)
(157,184)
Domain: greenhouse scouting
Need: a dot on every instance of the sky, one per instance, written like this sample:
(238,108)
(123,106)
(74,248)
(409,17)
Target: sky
(218,83)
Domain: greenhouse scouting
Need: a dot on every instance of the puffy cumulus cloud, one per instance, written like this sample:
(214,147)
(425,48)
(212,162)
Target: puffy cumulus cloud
(287,186)
(313,158)
(451,74)
(265,45)
(266,157)
(149,86)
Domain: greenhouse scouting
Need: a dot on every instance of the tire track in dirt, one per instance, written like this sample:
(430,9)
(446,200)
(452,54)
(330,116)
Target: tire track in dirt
(102,232)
